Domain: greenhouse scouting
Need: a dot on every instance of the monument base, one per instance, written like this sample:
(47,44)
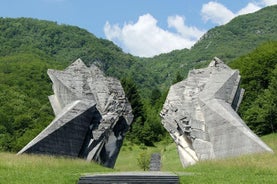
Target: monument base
(130,178)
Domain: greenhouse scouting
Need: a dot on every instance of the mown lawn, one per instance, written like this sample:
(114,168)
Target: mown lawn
(257,168)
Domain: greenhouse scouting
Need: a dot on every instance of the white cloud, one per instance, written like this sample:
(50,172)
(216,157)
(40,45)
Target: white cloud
(250,8)
(269,2)
(146,39)
(216,13)
(187,32)
(219,14)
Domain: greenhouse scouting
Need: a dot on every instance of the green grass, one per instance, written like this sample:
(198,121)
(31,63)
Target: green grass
(257,168)
(27,169)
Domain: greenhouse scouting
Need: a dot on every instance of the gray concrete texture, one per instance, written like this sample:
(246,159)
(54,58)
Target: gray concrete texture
(200,115)
(153,177)
(92,116)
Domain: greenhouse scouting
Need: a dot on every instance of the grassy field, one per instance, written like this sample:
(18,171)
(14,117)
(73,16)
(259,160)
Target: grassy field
(257,168)
(26,169)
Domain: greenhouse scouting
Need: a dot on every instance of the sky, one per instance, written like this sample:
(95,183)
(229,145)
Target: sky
(142,28)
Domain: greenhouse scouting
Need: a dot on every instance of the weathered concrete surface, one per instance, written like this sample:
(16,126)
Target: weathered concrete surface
(131,178)
(92,116)
(155,162)
(200,115)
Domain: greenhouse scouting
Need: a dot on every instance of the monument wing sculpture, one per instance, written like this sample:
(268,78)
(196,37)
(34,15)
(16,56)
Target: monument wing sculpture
(200,115)
(92,116)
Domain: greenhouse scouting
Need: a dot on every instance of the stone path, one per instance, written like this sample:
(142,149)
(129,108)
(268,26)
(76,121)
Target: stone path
(155,162)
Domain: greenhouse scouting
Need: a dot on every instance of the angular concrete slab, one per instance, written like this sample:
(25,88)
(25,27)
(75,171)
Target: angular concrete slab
(92,116)
(200,115)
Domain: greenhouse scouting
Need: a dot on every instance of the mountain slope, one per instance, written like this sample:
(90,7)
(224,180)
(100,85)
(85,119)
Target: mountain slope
(238,37)
(62,43)
(24,106)
(66,43)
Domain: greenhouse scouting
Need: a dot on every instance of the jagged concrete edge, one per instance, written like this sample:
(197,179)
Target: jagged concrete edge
(240,126)
(259,141)
(53,126)
(216,102)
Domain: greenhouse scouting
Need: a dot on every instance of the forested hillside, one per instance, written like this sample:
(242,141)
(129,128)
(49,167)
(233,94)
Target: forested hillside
(66,43)
(30,46)
(259,79)
(24,106)
(62,43)
(227,42)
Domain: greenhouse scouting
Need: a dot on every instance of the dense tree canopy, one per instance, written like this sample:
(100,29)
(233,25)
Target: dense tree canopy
(259,79)
(24,106)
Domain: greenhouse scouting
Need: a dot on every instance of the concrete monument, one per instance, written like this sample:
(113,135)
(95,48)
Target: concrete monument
(200,115)
(92,116)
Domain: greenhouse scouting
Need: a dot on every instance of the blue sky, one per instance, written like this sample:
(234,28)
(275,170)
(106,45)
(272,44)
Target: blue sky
(140,27)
